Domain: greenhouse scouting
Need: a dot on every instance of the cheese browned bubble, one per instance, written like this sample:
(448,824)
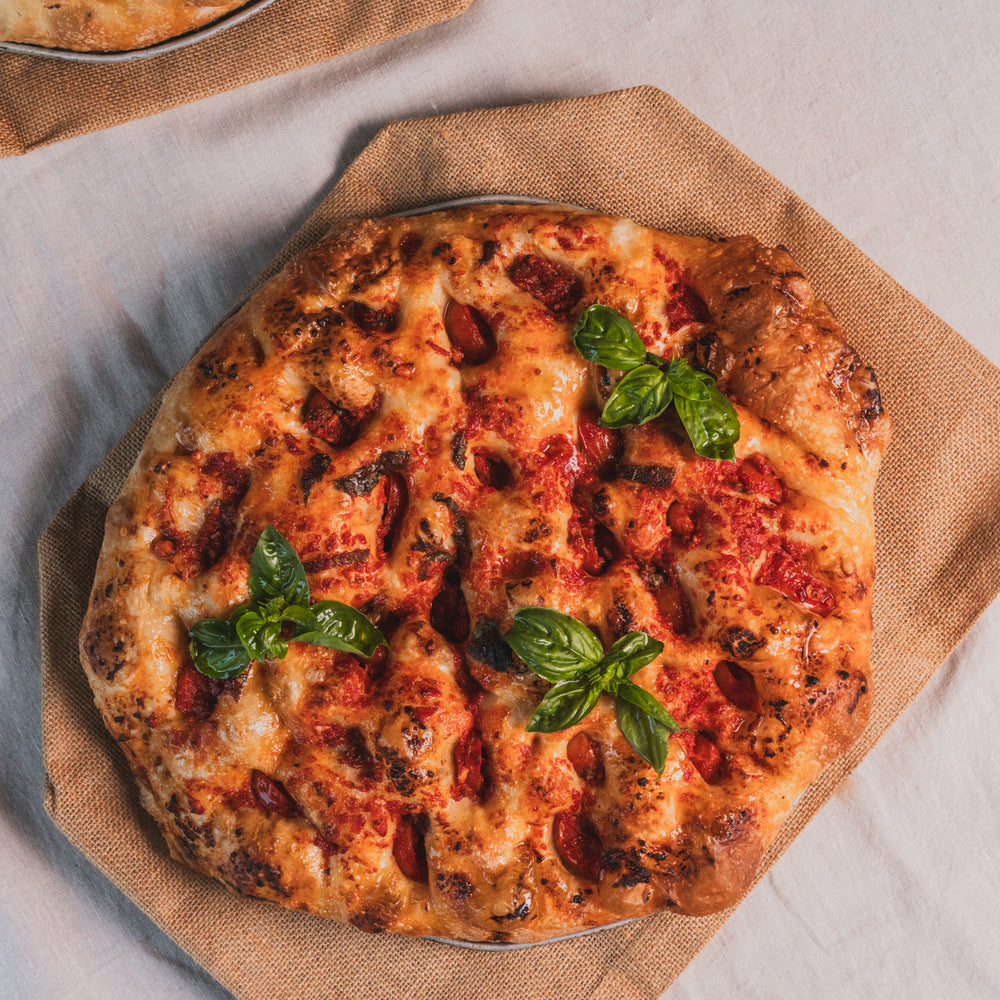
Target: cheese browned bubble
(405,405)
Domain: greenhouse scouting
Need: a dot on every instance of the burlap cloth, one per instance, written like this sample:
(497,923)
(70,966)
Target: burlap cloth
(640,154)
(43,100)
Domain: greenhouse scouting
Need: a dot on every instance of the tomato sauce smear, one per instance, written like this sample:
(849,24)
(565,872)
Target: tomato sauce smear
(578,843)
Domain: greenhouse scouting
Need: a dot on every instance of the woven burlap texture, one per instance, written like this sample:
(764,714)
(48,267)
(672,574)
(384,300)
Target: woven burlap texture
(43,100)
(636,153)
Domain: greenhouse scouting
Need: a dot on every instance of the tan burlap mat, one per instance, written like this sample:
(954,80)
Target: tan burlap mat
(640,154)
(43,100)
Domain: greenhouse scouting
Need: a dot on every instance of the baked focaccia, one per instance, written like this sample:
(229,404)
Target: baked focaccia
(405,405)
(106,25)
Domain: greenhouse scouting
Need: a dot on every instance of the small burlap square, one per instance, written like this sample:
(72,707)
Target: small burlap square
(43,99)
(636,153)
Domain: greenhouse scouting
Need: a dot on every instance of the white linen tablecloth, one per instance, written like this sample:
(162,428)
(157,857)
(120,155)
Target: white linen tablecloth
(120,250)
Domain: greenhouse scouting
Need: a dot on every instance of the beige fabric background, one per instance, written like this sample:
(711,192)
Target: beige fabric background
(937,516)
(43,100)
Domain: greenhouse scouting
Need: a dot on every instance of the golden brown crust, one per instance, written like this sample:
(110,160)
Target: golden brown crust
(105,25)
(441,482)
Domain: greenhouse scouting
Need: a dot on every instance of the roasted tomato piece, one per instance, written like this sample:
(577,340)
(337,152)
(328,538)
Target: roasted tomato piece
(757,476)
(601,446)
(196,694)
(554,286)
(737,685)
(578,844)
(449,610)
(396,498)
(703,754)
(408,850)
(468,331)
(492,470)
(585,755)
(469,765)
(673,603)
(686,306)
(271,794)
(792,579)
(681,522)
(331,423)
(370,320)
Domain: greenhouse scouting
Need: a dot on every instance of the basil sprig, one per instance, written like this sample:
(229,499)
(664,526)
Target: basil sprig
(563,650)
(224,647)
(650,384)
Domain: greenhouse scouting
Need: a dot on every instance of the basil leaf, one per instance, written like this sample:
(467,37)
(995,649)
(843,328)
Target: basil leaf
(641,395)
(217,650)
(689,382)
(299,614)
(260,636)
(339,626)
(643,732)
(564,705)
(648,704)
(276,570)
(711,424)
(607,337)
(631,653)
(556,646)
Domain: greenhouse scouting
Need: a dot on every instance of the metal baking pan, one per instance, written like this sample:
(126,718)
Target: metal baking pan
(170,45)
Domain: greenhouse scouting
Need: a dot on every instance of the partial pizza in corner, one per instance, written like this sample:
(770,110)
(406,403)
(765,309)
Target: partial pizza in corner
(106,25)
(496,574)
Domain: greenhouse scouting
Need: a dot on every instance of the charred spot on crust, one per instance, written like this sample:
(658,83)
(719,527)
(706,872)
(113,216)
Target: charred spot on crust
(520,912)
(658,476)
(372,918)
(370,320)
(366,477)
(741,642)
(409,245)
(487,645)
(460,528)
(319,564)
(873,399)
(313,473)
(620,619)
(630,871)
(353,751)
(490,248)
(454,886)
(458,447)
(249,875)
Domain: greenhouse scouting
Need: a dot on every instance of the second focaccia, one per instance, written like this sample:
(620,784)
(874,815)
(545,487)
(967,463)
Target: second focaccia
(105,25)
(404,403)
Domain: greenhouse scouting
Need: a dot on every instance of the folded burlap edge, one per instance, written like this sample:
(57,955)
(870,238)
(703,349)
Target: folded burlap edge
(641,958)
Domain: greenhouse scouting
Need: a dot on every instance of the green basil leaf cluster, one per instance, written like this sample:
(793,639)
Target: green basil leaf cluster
(649,386)
(224,647)
(564,651)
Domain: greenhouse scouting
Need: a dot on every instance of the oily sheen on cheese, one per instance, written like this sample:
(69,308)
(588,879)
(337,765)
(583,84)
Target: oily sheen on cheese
(405,405)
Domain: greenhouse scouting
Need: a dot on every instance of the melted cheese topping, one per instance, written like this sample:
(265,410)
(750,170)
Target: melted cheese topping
(405,405)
